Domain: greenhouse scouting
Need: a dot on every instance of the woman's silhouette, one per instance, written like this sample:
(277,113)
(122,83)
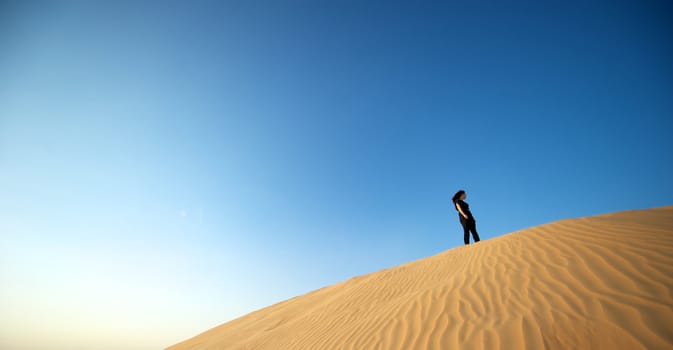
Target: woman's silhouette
(465,216)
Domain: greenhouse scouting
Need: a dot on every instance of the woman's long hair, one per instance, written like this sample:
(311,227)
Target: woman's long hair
(457,195)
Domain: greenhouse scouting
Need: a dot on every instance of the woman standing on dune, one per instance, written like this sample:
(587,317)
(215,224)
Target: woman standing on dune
(465,216)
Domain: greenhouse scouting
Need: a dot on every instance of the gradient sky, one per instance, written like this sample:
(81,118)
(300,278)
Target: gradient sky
(166,167)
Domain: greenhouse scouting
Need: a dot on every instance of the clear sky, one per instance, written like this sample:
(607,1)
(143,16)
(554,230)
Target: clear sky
(166,167)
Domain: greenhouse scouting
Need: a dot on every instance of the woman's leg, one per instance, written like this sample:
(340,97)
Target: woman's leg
(466,231)
(473,228)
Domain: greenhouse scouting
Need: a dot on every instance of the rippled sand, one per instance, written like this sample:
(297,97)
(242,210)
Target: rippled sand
(603,282)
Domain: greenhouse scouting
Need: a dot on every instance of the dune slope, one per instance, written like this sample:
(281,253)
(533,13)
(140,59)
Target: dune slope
(603,282)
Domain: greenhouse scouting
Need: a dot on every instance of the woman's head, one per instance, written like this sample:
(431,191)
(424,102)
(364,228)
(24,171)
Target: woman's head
(459,195)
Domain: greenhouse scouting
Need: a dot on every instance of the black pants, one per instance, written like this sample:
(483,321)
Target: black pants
(469,225)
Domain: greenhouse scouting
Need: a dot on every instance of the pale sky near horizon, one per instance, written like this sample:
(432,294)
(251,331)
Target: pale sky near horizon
(169,166)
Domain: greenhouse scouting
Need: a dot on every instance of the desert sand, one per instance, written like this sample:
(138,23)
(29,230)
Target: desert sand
(602,282)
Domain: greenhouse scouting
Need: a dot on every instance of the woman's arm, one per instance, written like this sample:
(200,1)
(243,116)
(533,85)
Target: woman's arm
(460,210)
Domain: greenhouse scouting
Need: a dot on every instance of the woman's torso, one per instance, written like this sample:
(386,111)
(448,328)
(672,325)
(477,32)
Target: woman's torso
(465,208)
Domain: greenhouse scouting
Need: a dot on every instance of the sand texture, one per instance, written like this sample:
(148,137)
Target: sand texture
(602,282)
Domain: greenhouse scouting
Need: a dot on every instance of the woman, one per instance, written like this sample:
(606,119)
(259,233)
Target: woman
(465,216)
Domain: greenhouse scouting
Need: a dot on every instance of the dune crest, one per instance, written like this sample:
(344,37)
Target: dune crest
(602,282)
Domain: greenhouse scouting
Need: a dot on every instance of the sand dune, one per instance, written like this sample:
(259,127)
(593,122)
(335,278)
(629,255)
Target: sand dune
(603,282)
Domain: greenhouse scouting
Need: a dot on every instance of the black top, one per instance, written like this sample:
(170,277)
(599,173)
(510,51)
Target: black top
(465,208)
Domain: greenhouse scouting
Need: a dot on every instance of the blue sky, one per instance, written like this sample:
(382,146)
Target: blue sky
(167,167)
